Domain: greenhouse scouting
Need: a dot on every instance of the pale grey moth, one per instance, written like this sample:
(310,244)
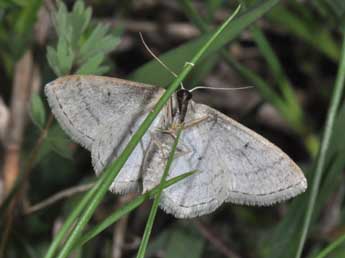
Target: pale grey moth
(235,164)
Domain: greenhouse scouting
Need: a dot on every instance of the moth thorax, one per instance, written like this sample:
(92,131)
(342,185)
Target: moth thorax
(183,97)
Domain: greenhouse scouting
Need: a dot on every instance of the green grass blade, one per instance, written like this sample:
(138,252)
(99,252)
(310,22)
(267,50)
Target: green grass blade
(127,208)
(149,224)
(324,253)
(111,171)
(278,72)
(174,57)
(291,108)
(320,163)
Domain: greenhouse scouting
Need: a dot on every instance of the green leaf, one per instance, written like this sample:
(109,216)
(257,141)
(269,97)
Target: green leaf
(79,49)
(92,40)
(16,30)
(79,19)
(60,19)
(92,66)
(64,56)
(27,17)
(37,111)
(52,61)
(98,37)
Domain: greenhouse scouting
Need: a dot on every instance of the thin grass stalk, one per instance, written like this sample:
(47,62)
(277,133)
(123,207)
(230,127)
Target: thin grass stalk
(280,77)
(331,247)
(149,224)
(320,162)
(111,172)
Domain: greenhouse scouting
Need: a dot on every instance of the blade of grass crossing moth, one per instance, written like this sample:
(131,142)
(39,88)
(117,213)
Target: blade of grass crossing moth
(320,163)
(126,209)
(201,71)
(111,171)
(149,224)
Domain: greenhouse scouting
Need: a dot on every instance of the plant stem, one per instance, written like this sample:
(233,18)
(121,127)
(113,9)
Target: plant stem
(149,224)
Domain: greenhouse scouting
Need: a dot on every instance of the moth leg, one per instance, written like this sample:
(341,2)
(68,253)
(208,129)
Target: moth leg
(173,128)
(195,122)
(158,143)
(164,148)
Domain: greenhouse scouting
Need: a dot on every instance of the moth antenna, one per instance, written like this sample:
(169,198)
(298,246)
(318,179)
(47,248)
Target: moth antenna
(157,58)
(209,88)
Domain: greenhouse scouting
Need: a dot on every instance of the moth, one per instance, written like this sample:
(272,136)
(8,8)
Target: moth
(234,163)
